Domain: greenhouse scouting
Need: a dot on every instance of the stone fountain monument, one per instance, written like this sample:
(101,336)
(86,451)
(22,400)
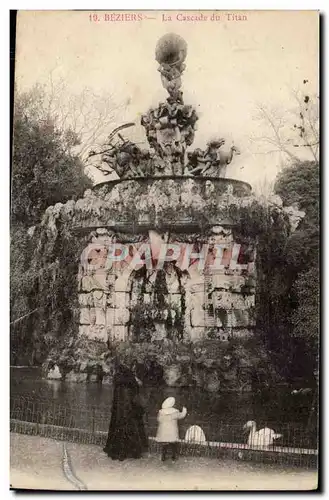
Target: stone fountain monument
(164,254)
(171,197)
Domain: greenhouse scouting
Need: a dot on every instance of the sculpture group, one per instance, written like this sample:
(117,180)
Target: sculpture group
(170,129)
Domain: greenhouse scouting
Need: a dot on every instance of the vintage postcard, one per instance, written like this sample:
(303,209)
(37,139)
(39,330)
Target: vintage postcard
(164,318)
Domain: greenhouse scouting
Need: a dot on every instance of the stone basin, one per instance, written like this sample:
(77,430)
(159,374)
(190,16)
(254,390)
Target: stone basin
(240,188)
(183,203)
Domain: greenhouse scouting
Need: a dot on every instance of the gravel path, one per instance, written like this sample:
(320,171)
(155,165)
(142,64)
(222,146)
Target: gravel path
(37,463)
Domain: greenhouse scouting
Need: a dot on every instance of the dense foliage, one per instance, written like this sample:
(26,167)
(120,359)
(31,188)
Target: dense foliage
(44,171)
(288,278)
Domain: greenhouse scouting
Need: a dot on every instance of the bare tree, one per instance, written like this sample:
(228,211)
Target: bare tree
(308,123)
(85,118)
(291,133)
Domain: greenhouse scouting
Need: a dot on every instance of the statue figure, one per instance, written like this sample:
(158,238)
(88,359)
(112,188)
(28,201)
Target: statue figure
(212,157)
(170,78)
(187,119)
(171,72)
(168,139)
(195,161)
(225,158)
(201,161)
(169,128)
(170,53)
(123,157)
(211,162)
(162,166)
(146,122)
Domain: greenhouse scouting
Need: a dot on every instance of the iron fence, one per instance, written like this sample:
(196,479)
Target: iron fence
(89,425)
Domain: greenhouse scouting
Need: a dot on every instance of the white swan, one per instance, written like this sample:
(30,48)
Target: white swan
(262,438)
(307,390)
(195,434)
(54,373)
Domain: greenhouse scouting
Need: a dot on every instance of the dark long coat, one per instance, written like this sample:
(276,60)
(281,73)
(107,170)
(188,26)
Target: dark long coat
(126,437)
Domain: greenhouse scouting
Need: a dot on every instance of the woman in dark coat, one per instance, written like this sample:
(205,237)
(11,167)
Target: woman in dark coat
(126,437)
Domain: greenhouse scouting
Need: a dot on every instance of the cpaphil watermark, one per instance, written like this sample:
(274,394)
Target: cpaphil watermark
(210,256)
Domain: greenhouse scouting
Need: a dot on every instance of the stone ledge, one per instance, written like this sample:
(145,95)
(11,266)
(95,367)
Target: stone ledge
(198,180)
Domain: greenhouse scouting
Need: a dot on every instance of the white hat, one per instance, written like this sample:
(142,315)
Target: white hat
(168,403)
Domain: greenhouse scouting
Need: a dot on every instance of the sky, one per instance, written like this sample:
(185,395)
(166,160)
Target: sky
(233,66)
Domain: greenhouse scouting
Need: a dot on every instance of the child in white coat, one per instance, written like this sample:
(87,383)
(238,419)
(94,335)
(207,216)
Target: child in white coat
(167,433)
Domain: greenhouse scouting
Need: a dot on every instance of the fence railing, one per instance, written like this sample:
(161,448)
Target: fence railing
(89,425)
